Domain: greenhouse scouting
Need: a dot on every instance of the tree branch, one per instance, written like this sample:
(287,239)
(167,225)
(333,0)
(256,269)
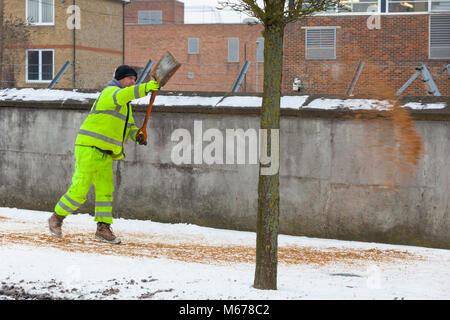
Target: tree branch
(249,7)
(278,11)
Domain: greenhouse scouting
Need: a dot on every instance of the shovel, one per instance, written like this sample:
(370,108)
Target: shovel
(162,72)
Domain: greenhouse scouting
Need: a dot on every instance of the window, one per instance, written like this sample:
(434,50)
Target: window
(193,46)
(442,5)
(320,43)
(408,6)
(40,66)
(358,5)
(384,6)
(150,17)
(40,12)
(233,50)
(260,50)
(349,6)
(440,36)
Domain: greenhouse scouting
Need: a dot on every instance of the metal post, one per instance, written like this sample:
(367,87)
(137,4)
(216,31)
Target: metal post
(406,85)
(258,47)
(355,78)
(144,72)
(256,65)
(239,79)
(59,75)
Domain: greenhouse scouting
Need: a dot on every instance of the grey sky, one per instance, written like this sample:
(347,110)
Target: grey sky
(204,11)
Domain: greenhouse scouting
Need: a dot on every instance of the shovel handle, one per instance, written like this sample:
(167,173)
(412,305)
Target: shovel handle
(143,129)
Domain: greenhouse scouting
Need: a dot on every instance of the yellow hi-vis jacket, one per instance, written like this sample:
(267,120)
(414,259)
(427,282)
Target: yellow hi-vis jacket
(110,121)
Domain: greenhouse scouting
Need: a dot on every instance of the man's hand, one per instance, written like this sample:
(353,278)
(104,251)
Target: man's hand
(140,139)
(151,86)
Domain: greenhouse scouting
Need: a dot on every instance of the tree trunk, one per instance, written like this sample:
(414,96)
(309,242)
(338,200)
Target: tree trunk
(1,43)
(268,185)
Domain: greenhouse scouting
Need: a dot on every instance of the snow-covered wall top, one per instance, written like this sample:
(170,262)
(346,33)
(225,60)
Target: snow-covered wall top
(213,100)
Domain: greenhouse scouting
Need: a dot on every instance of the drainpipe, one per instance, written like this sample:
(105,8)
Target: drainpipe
(123,32)
(74,54)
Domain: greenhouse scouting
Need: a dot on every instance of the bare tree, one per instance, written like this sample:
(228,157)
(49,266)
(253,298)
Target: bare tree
(14,37)
(274,15)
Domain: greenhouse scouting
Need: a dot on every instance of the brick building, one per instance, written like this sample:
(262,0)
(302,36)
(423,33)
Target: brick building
(365,45)
(324,52)
(212,55)
(87,33)
(156,12)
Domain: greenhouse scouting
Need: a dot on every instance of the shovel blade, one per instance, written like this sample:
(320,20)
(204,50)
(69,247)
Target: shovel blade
(165,68)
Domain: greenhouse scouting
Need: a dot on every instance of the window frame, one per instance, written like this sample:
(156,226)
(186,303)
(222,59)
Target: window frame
(150,24)
(40,66)
(260,46)
(228,50)
(190,51)
(39,23)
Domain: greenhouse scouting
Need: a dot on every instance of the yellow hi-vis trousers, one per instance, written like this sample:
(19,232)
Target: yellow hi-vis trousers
(91,167)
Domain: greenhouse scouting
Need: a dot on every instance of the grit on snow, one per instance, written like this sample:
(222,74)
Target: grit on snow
(182,261)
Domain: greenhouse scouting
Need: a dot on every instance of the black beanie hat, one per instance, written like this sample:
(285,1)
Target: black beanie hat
(124,71)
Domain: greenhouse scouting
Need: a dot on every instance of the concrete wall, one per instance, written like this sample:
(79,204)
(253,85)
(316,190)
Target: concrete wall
(332,185)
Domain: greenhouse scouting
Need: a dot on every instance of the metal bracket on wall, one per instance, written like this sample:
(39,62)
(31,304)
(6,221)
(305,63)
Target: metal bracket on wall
(355,78)
(447,67)
(144,72)
(59,75)
(238,82)
(432,87)
(241,76)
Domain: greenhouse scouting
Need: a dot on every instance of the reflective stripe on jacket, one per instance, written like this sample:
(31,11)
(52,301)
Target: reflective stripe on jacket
(110,121)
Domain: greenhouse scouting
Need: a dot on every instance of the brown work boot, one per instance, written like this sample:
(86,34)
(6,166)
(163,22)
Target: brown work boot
(104,233)
(54,224)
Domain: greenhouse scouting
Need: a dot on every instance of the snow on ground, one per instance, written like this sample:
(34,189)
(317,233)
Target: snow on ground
(181,261)
(177,99)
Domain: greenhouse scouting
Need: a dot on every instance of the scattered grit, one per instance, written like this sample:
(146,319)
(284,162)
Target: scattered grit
(177,247)
(189,250)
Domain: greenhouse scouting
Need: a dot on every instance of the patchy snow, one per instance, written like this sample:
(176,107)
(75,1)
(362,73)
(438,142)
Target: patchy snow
(239,101)
(426,106)
(286,102)
(292,102)
(367,104)
(177,99)
(183,261)
(332,104)
(30,94)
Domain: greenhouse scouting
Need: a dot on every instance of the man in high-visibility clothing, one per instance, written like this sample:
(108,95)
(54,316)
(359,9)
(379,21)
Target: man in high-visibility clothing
(100,141)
